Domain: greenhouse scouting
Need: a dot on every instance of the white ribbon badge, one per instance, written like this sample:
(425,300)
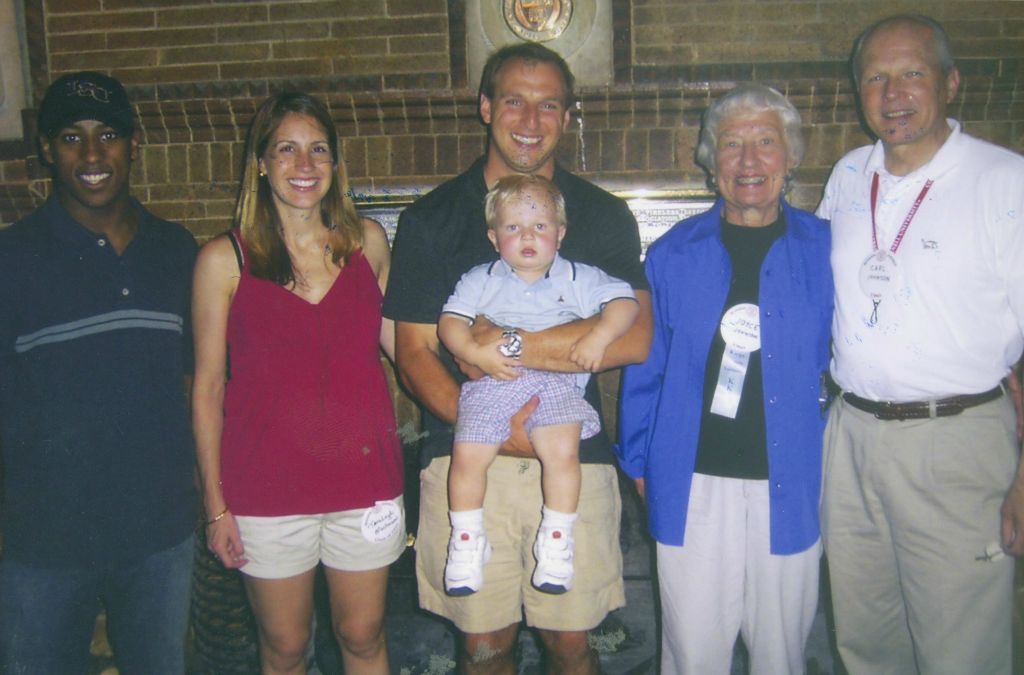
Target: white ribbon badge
(741,330)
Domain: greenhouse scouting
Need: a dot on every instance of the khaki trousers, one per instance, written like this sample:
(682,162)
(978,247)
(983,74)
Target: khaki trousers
(909,508)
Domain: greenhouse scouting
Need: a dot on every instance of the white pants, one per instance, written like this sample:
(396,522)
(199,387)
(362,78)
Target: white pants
(724,581)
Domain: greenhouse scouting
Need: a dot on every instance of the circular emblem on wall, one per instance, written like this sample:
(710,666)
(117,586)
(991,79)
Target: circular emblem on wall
(537,20)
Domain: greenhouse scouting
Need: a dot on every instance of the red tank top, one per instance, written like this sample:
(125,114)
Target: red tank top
(309,425)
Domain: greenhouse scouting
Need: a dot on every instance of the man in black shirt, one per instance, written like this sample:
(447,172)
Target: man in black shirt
(525,97)
(95,344)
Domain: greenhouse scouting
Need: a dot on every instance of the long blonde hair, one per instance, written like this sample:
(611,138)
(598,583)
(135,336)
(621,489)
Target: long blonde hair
(255,213)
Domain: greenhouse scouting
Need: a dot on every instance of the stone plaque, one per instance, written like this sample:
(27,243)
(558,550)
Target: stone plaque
(538,20)
(579,30)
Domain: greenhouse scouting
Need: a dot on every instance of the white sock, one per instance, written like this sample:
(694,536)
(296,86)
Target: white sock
(551,519)
(471,521)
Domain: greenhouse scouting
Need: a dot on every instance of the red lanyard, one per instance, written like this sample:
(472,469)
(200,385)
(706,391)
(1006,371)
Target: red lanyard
(906,221)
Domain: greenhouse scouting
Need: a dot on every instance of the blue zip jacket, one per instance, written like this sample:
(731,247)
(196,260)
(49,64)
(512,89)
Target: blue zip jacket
(659,419)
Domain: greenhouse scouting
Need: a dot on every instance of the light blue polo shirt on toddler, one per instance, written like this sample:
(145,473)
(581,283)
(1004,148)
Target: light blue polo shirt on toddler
(569,291)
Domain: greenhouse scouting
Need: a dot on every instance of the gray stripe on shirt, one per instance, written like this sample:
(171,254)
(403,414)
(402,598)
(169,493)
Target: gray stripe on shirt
(100,323)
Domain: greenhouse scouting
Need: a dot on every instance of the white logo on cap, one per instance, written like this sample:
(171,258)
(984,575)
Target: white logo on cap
(89,89)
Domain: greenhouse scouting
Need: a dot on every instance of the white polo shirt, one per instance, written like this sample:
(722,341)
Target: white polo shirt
(952,319)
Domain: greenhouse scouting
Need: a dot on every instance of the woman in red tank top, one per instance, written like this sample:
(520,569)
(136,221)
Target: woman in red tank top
(297,449)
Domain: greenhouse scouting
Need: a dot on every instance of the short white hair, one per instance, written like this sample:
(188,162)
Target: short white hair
(748,98)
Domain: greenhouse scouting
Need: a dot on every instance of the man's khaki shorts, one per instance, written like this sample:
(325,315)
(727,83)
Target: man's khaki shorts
(511,518)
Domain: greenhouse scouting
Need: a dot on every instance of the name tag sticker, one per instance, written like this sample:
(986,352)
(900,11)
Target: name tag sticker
(381,522)
(741,327)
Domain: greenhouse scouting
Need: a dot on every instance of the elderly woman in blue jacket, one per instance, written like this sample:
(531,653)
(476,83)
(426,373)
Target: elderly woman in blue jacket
(721,428)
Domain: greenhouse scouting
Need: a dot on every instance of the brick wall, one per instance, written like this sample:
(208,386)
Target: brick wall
(672,33)
(157,42)
(393,73)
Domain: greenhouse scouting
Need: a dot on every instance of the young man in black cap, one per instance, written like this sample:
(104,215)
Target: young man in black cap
(97,450)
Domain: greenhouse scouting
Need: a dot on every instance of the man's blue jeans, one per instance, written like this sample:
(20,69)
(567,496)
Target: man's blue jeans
(47,615)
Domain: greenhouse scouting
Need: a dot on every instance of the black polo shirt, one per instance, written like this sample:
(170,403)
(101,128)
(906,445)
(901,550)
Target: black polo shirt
(97,446)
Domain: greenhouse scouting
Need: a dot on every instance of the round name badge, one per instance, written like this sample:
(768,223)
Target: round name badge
(878,275)
(741,327)
(381,522)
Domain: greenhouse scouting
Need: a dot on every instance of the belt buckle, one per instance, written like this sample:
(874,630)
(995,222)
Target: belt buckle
(948,408)
(901,412)
(888,412)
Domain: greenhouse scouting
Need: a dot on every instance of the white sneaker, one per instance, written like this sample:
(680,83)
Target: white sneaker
(468,552)
(554,552)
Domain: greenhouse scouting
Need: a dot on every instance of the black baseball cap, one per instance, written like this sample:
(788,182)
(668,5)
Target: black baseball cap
(85,96)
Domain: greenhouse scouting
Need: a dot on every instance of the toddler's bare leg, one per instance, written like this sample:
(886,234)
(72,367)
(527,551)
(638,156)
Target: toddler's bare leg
(558,448)
(467,475)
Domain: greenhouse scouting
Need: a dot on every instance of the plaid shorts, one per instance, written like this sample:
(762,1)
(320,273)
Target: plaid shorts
(486,406)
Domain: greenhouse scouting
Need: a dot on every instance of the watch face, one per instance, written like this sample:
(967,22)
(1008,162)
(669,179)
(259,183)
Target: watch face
(513,346)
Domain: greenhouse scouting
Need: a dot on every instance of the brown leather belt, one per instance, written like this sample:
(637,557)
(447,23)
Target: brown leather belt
(943,407)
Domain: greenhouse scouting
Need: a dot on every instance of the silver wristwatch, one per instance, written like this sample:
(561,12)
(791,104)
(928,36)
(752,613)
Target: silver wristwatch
(513,346)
